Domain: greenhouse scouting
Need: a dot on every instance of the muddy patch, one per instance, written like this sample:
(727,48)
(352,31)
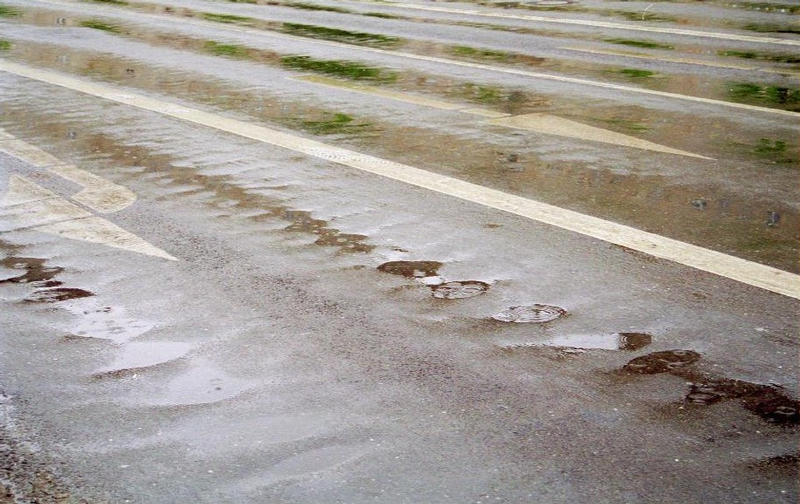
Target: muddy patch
(57,294)
(536,313)
(769,402)
(411,269)
(459,290)
(41,276)
(661,362)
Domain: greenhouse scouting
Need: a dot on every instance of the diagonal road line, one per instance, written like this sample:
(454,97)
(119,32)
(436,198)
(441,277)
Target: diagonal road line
(748,272)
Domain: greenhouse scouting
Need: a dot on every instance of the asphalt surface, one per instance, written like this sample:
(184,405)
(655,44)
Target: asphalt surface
(525,254)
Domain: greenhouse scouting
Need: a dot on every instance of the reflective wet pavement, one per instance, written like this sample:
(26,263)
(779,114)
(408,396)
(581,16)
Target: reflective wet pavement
(328,335)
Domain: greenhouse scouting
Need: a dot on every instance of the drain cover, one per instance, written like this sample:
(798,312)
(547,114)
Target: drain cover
(459,290)
(537,313)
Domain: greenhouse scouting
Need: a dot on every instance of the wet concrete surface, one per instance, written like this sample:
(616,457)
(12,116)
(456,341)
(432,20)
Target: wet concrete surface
(329,336)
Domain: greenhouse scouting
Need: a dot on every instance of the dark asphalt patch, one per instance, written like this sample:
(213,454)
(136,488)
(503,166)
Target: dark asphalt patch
(57,294)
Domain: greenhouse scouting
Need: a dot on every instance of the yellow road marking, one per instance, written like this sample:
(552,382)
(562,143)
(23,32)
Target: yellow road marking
(554,125)
(604,24)
(748,272)
(434,59)
(541,123)
(689,61)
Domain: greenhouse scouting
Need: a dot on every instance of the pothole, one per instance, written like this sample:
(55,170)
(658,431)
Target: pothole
(661,362)
(459,290)
(536,313)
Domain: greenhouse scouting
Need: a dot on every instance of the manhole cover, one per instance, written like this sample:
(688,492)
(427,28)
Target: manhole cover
(537,313)
(459,290)
(661,362)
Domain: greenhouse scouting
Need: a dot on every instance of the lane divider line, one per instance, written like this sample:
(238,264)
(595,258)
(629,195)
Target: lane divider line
(718,263)
(466,64)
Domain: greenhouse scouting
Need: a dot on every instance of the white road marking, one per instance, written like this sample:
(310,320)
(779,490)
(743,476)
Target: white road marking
(445,61)
(99,230)
(554,125)
(604,24)
(21,190)
(27,205)
(38,212)
(540,123)
(748,272)
(98,194)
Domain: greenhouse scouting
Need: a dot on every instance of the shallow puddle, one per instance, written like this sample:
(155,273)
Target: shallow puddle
(459,290)
(536,313)
(134,357)
(57,294)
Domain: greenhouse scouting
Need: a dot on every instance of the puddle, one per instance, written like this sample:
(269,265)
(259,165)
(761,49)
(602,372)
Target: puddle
(107,323)
(57,294)
(576,343)
(411,269)
(202,384)
(459,290)
(137,356)
(661,362)
(346,242)
(767,401)
(537,313)
(35,269)
(41,276)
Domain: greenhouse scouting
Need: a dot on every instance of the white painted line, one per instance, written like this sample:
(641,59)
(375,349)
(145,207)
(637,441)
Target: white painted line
(554,125)
(98,194)
(99,230)
(29,154)
(21,190)
(445,61)
(748,272)
(604,24)
(36,213)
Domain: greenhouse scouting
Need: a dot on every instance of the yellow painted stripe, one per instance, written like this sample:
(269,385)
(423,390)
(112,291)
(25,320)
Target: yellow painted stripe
(748,272)
(445,61)
(667,59)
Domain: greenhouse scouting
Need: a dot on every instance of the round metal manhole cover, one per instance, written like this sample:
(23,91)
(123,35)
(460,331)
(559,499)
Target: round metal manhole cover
(537,313)
(459,290)
(661,362)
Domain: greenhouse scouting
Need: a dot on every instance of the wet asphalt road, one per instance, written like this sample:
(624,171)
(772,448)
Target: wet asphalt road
(238,262)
